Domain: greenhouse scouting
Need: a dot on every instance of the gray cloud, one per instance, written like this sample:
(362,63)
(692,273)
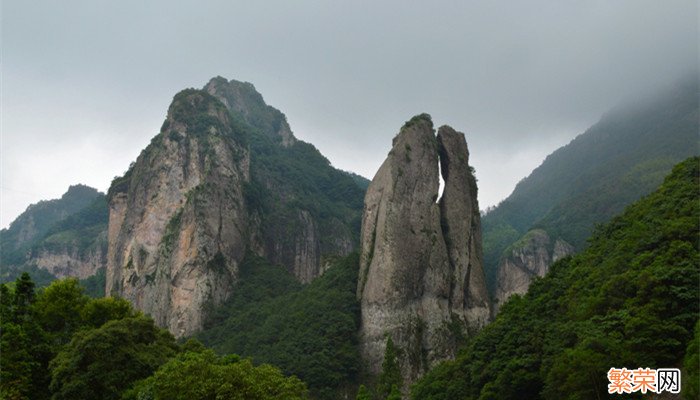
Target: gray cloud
(86,84)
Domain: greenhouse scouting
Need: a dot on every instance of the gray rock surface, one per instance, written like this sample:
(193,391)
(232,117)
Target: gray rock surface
(529,257)
(421,279)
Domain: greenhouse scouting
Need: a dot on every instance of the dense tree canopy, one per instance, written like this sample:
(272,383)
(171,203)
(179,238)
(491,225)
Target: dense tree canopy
(631,299)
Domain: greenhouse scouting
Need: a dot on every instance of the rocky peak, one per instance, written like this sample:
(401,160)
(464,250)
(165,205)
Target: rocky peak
(243,99)
(178,223)
(222,178)
(528,258)
(421,280)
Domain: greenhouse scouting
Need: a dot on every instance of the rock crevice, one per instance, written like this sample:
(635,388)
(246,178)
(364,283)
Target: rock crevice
(421,278)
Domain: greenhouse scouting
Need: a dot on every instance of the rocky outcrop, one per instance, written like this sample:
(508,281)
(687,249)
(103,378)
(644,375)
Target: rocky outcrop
(421,278)
(178,224)
(242,99)
(528,258)
(70,262)
(224,177)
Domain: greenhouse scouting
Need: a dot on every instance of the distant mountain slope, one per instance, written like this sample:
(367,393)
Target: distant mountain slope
(57,238)
(631,299)
(36,220)
(619,159)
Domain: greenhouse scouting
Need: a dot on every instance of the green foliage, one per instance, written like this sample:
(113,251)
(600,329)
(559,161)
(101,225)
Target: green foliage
(34,223)
(363,393)
(630,299)
(307,331)
(614,163)
(95,285)
(390,377)
(36,326)
(691,376)
(424,117)
(101,363)
(395,393)
(58,308)
(24,351)
(203,375)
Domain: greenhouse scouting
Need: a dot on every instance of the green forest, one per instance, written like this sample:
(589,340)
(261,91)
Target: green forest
(631,298)
(58,343)
(621,158)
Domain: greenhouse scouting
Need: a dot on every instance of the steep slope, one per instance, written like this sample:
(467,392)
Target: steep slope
(421,279)
(631,299)
(309,331)
(223,177)
(178,225)
(34,222)
(58,238)
(619,159)
(306,210)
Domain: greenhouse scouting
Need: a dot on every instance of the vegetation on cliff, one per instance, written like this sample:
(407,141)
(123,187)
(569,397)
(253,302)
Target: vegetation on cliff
(631,299)
(308,331)
(615,162)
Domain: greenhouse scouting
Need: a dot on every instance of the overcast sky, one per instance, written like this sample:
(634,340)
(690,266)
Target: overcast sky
(86,84)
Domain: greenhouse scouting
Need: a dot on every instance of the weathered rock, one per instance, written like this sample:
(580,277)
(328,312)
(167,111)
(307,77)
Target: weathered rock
(178,225)
(225,176)
(528,258)
(421,279)
(461,224)
(70,262)
(242,99)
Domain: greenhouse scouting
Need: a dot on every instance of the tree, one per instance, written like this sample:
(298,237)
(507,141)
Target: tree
(395,393)
(203,375)
(101,363)
(363,393)
(24,347)
(24,296)
(58,309)
(391,371)
(691,380)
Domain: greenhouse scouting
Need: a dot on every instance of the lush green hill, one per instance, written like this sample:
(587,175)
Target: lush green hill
(308,331)
(76,224)
(619,159)
(33,223)
(631,299)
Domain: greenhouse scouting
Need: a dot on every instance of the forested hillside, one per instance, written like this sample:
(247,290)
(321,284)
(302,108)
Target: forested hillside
(619,159)
(57,344)
(61,237)
(631,299)
(308,331)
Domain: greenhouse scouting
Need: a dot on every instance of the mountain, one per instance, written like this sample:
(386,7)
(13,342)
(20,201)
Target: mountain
(630,299)
(619,159)
(58,238)
(224,177)
(421,284)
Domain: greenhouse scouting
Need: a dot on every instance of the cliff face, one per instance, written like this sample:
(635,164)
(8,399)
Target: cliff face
(178,225)
(70,262)
(35,222)
(530,257)
(224,176)
(420,269)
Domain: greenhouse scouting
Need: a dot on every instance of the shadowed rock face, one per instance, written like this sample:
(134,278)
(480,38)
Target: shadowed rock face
(528,258)
(421,278)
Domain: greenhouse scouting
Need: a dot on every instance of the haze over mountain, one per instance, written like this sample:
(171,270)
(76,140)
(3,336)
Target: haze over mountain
(86,85)
(552,212)
(229,228)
